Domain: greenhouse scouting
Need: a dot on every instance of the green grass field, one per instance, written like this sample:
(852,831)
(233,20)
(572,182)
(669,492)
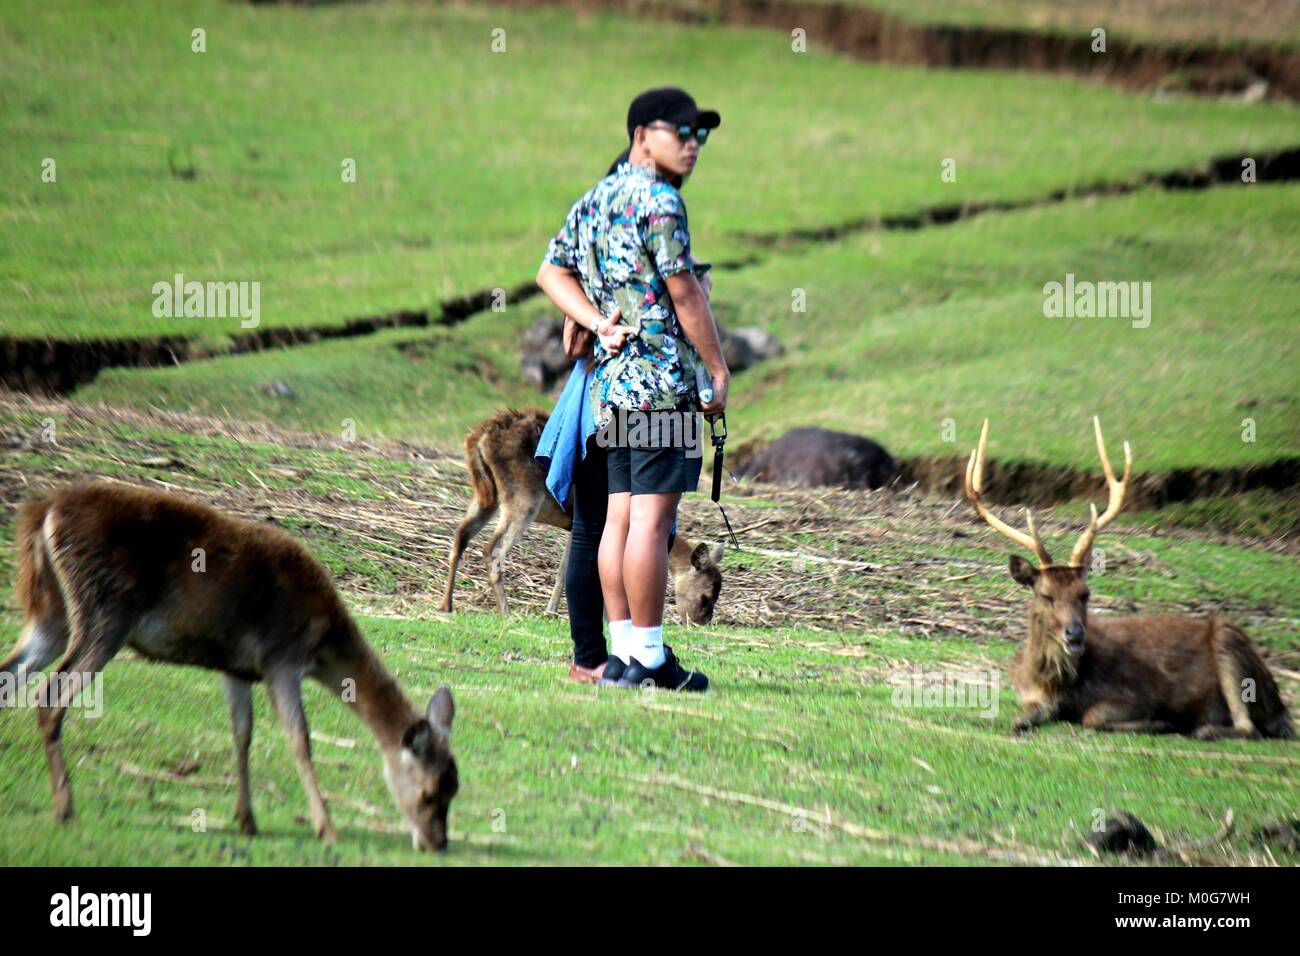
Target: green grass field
(913,329)
(1206,22)
(800,754)
(901,331)
(1266,22)
(467,160)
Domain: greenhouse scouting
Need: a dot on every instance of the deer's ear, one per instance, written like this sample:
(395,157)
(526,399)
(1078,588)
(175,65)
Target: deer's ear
(1022,571)
(441,710)
(418,737)
(700,557)
(716,554)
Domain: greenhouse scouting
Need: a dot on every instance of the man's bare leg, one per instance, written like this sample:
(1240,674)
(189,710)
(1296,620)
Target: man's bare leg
(645,556)
(613,542)
(645,578)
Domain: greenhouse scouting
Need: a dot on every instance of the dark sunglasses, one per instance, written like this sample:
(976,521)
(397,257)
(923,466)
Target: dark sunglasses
(686,131)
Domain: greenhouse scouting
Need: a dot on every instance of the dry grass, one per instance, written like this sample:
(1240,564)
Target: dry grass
(826,559)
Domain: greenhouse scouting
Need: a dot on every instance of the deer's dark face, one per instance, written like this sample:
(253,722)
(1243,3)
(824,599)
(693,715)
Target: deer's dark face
(421,773)
(1060,602)
(698,587)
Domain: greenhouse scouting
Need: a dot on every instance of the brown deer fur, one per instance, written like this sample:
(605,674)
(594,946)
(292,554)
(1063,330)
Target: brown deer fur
(504,476)
(104,565)
(1154,673)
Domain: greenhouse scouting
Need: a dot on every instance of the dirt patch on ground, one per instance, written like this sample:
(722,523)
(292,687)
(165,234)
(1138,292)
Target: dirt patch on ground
(1278,166)
(57,366)
(1032,483)
(867,34)
(50,366)
(1040,485)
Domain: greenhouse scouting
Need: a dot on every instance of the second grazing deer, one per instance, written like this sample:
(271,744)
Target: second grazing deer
(105,565)
(1153,673)
(504,476)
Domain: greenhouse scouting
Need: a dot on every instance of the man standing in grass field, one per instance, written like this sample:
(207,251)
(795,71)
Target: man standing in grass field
(625,252)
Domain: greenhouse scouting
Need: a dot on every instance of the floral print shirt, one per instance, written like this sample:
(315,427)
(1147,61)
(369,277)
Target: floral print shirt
(624,238)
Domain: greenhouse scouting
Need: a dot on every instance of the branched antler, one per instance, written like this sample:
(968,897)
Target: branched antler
(1079,556)
(975,484)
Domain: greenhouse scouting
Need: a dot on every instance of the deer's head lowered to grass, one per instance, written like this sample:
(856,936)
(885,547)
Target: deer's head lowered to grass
(696,578)
(1059,608)
(103,566)
(505,478)
(422,775)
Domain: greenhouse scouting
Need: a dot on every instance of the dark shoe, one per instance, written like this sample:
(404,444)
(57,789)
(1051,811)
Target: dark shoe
(613,671)
(667,676)
(588,675)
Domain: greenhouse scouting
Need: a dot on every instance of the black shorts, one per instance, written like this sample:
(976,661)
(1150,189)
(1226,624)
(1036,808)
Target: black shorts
(650,471)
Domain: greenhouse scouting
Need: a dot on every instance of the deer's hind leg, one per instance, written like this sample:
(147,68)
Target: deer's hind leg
(515,519)
(239,698)
(285,687)
(98,623)
(470,525)
(42,640)
(1212,731)
(1239,682)
(90,649)
(45,632)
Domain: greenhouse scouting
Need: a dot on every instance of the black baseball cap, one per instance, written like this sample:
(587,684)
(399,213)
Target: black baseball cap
(671,104)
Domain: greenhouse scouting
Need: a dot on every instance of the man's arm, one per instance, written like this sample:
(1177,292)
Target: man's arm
(564,289)
(696,319)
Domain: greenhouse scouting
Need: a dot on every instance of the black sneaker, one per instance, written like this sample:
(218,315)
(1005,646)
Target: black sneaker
(614,668)
(667,676)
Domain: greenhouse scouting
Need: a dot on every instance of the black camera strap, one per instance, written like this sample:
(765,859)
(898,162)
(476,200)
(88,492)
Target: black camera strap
(719,440)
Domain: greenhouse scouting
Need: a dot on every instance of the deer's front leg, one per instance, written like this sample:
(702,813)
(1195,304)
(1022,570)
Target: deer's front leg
(239,697)
(1034,716)
(286,694)
(1118,719)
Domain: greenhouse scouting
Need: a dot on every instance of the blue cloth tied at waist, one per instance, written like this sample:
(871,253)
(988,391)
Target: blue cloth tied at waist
(564,439)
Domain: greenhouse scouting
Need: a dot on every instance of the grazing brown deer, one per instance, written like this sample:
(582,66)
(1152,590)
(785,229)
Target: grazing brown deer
(504,476)
(1157,673)
(105,565)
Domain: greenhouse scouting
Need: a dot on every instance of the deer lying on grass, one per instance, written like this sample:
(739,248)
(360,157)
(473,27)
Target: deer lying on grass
(105,565)
(1158,673)
(504,476)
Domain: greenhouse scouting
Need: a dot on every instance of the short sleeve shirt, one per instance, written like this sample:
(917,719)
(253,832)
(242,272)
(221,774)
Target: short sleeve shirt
(623,239)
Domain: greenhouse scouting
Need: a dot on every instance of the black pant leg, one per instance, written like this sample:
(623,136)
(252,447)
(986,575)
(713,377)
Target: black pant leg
(582,580)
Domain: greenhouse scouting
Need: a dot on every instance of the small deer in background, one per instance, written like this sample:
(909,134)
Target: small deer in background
(504,476)
(1158,673)
(105,565)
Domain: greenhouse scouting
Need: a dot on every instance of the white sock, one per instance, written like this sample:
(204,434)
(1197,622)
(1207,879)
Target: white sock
(620,639)
(648,645)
